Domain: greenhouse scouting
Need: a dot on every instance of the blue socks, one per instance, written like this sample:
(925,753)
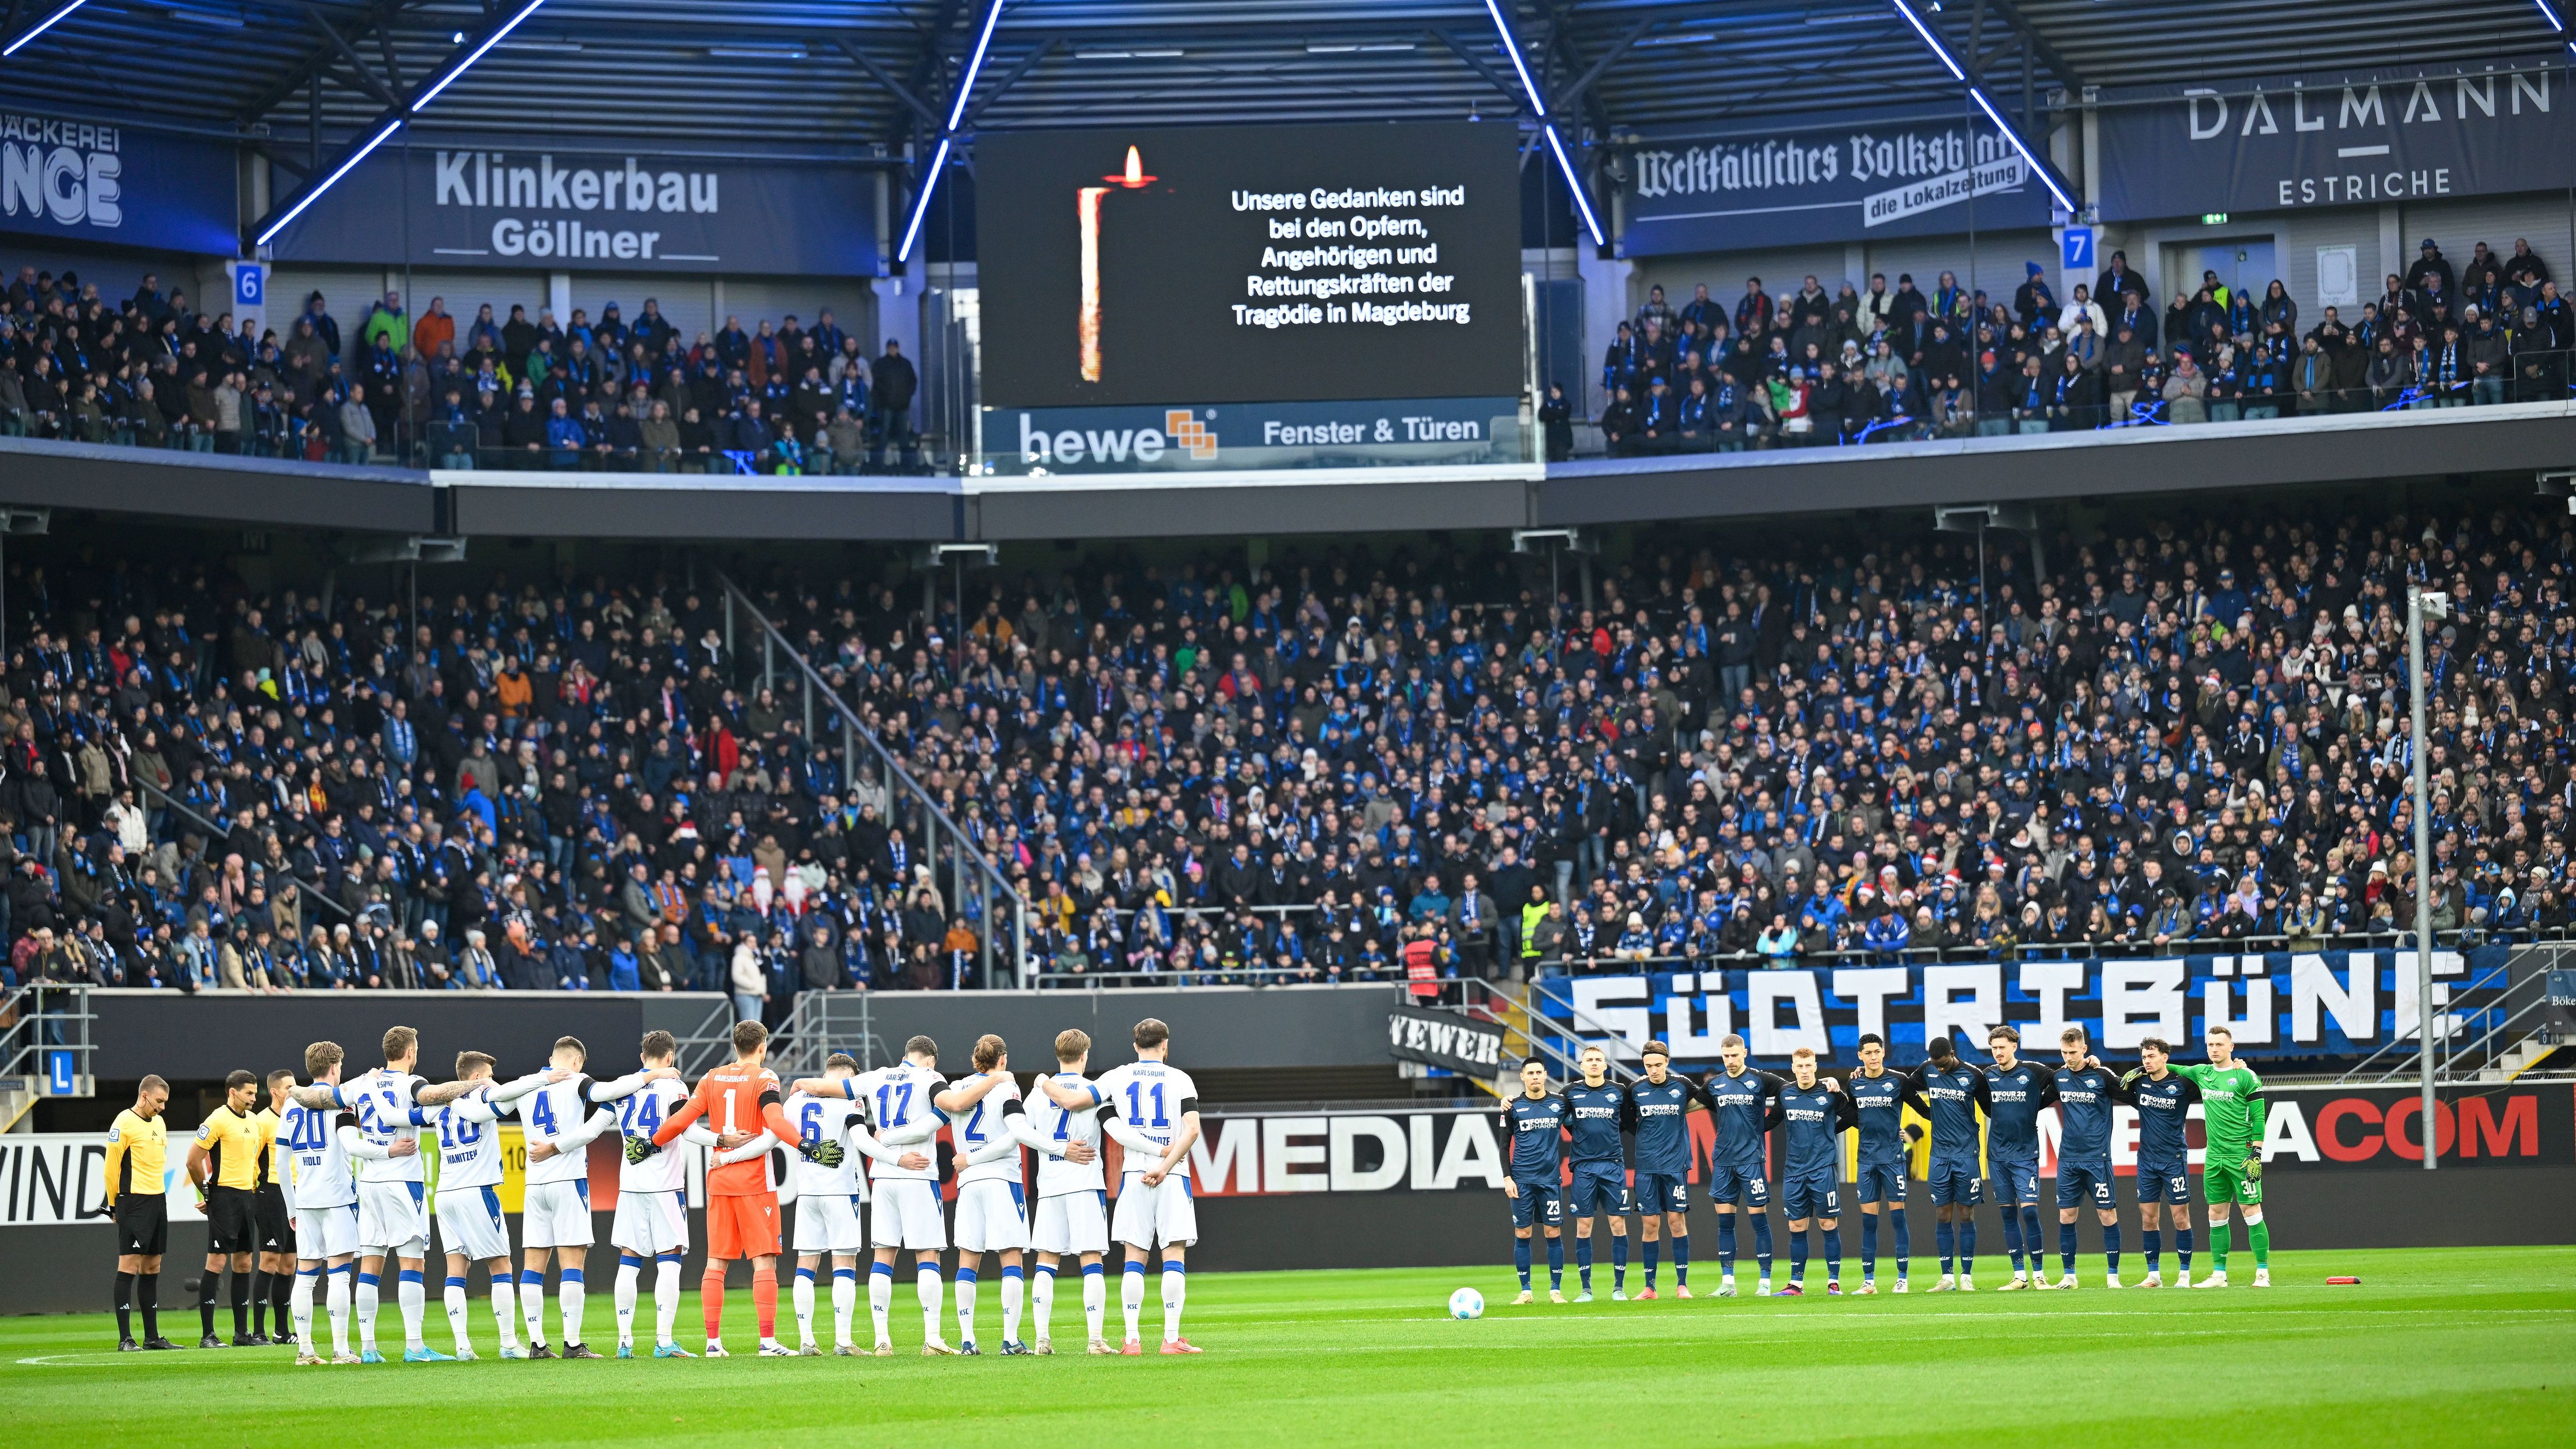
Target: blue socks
(2182,1248)
(2066,1245)
(1619,1261)
(1726,1244)
(1946,1238)
(2012,1239)
(1583,1262)
(1556,1262)
(2154,1242)
(1521,1259)
(1797,1256)
(1869,1245)
(1681,1259)
(1968,1246)
(2111,1247)
(1904,1241)
(1833,1253)
(2030,1238)
(1762,1242)
(1654,1251)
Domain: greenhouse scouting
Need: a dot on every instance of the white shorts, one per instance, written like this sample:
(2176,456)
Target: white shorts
(469,1222)
(1073,1222)
(393,1218)
(992,1216)
(322,1234)
(557,1215)
(906,1215)
(828,1223)
(649,1224)
(1159,1216)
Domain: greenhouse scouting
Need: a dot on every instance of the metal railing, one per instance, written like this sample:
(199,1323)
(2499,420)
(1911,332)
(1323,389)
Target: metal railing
(2472,1036)
(215,832)
(823,1022)
(37,1021)
(945,841)
(709,1044)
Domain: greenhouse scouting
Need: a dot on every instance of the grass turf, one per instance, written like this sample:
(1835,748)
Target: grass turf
(2436,1346)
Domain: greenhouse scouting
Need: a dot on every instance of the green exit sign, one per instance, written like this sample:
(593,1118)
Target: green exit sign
(2213,218)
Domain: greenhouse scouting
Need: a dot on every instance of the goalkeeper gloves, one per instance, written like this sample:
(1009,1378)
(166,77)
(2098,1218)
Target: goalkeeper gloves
(2254,1169)
(2131,1075)
(639,1148)
(821,1154)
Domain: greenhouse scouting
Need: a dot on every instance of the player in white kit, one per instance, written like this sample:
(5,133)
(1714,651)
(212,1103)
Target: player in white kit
(319,1144)
(992,1194)
(467,1205)
(828,1199)
(1152,1108)
(652,1219)
(393,1206)
(560,1122)
(1073,1200)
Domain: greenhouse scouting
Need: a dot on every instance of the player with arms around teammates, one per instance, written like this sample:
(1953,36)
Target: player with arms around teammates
(2163,1098)
(1878,1098)
(1073,1195)
(1152,1108)
(1740,1098)
(1658,1113)
(1535,1121)
(1596,1108)
(2231,1176)
(652,1220)
(1810,1113)
(2085,1092)
(1950,1093)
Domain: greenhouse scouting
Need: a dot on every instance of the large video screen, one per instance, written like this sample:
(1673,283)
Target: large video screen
(1249,263)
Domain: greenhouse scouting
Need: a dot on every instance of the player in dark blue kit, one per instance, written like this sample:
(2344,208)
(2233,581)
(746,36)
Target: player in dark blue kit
(1535,1121)
(1595,1107)
(2163,1099)
(1811,1113)
(1659,1114)
(1878,1099)
(2016,1091)
(1740,1098)
(1950,1092)
(2086,1091)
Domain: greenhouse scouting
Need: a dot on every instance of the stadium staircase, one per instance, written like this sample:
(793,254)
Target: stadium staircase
(975,887)
(2505,1023)
(1557,1040)
(44,1049)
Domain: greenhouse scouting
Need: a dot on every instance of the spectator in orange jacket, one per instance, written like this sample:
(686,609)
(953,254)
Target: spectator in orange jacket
(433,330)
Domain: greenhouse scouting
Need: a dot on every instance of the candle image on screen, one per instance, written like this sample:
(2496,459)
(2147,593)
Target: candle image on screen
(1088,208)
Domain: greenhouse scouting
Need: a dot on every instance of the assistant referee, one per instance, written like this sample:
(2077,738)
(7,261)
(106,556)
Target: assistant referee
(224,1164)
(138,1145)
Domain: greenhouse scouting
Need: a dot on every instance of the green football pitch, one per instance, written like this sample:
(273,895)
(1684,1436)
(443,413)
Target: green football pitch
(2435,1346)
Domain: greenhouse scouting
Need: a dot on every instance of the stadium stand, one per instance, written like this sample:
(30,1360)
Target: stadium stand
(1773,743)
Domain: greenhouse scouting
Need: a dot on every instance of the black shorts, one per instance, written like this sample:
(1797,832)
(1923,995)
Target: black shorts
(142,1225)
(276,1232)
(232,1220)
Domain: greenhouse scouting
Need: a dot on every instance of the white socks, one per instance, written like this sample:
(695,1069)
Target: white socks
(1012,1283)
(629,1271)
(571,1293)
(299,1302)
(1131,1296)
(1042,1298)
(414,1298)
(666,1299)
(1095,1299)
(364,1299)
(881,1299)
(927,1287)
(804,1298)
(532,1304)
(1176,1291)
(845,1303)
(454,1298)
(966,1283)
(335,1297)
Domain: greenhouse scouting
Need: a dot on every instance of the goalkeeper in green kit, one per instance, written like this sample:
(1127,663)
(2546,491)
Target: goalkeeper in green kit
(2233,1113)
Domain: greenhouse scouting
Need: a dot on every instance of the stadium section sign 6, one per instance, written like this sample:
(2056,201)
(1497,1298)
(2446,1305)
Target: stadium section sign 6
(1444,1039)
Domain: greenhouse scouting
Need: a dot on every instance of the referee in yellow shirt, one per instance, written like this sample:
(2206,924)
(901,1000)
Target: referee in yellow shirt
(224,1164)
(137,1167)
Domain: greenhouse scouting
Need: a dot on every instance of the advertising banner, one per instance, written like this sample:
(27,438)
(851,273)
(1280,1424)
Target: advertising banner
(1875,174)
(2333,1004)
(1444,1039)
(80,181)
(1184,437)
(592,209)
(2333,140)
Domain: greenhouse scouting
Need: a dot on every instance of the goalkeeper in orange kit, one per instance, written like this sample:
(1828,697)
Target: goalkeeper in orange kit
(740,1101)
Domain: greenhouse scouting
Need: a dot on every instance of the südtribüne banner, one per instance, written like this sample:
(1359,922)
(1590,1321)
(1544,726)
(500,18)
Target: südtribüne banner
(2334,140)
(1888,173)
(592,209)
